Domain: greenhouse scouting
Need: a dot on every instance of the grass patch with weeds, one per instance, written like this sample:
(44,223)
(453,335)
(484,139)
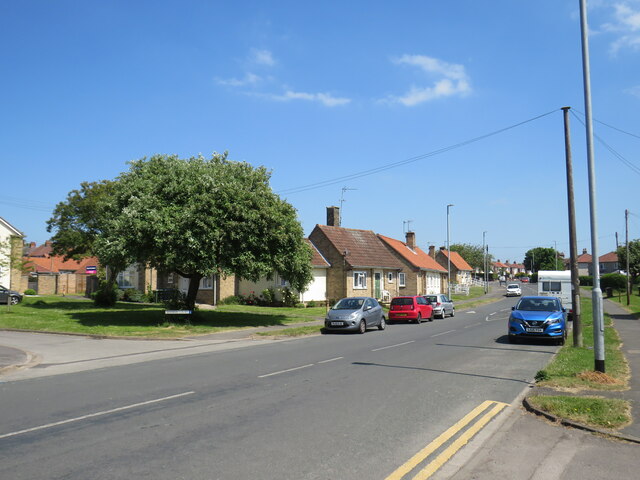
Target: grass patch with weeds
(593,411)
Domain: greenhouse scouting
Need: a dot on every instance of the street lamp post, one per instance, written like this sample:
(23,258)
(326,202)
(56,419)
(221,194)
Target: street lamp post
(484,261)
(448,255)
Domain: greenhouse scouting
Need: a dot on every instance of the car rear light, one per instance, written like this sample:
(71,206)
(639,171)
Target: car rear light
(413,307)
(438,304)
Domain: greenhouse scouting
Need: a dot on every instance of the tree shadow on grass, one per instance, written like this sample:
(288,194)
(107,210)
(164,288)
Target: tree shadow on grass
(156,317)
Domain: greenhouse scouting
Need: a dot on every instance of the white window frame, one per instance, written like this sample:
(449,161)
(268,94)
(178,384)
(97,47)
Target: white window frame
(402,279)
(359,280)
(390,277)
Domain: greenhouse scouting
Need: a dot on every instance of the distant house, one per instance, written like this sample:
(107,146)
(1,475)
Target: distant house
(51,274)
(316,290)
(584,263)
(11,239)
(423,274)
(500,269)
(360,263)
(460,270)
(609,263)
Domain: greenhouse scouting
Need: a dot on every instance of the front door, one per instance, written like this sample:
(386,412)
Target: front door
(377,285)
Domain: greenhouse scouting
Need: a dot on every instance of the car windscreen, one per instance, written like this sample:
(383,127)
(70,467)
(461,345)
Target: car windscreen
(402,301)
(538,305)
(348,304)
(513,286)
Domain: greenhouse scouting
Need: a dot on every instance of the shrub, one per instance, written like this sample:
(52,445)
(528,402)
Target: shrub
(132,295)
(617,281)
(176,301)
(300,305)
(542,375)
(311,304)
(29,291)
(106,295)
(288,297)
(586,281)
(232,300)
(269,296)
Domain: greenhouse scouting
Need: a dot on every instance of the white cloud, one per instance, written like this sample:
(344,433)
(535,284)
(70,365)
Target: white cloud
(248,80)
(635,91)
(625,25)
(325,99)
(262,57)
(455,81)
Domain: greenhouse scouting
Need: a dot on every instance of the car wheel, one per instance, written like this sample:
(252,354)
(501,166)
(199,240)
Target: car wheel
(419,319)
(14,300)
(383,324)
(363,326)
(431,317)
(453,312)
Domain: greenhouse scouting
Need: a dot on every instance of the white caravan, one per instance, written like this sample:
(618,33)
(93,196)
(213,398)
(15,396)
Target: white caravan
(552,283)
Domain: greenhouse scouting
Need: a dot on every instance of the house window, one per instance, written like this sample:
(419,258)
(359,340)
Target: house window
(390,277)
(206,283)
(127,278)
(359,280)
(401,279)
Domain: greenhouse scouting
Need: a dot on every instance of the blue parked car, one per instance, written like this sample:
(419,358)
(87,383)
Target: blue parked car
(538,317)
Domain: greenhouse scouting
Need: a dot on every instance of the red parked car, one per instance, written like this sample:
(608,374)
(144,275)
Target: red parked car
(410,309)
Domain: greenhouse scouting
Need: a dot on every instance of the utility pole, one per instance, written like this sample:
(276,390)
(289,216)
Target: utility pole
(448,255)
(573,240)
(596,295)
(626,239)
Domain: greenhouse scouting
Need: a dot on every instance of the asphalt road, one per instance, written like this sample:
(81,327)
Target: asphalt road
(325,407)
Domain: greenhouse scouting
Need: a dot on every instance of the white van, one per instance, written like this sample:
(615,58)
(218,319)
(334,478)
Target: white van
(552,283)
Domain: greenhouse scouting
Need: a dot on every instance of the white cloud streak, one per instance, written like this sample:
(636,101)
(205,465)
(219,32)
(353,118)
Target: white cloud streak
(262,57)
(626,25)
(325,99)
(249,79)
(455,81)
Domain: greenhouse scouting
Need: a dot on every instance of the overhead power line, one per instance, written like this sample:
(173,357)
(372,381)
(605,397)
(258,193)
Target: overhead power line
(388,166)
(633,167)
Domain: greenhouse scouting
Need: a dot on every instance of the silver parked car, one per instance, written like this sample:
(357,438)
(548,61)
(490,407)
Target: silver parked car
(7,296)
(442,305)
(355,314)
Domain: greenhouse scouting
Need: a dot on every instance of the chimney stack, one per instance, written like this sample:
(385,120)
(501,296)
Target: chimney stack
(584,251)
(333,216)
(432,251)
(411,240)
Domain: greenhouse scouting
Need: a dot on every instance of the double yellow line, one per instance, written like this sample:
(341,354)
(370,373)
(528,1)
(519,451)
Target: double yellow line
(456,445)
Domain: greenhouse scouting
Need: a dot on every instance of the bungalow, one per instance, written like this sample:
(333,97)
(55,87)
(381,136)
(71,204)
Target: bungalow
(460,269)
(424,275)
(609,263)
(360,263)
(316,290)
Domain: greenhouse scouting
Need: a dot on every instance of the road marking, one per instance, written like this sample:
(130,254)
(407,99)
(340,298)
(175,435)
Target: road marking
(92,415)
(285,371)
(392,346)
(331,360)
(472,325)
(422,455)
(470,311)
(443,333)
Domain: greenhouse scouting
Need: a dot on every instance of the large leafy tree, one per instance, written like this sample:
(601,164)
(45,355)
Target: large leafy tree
(634,259)
(472,254)
(200,217)
(542,258)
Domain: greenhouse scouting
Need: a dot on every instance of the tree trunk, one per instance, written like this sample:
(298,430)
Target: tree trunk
(194,286)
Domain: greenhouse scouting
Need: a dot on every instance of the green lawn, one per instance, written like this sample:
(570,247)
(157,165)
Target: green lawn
(72,315)
(474,292)
(595,411)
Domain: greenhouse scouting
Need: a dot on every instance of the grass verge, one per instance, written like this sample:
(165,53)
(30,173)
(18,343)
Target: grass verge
(572,369)
(594,411)
(292,331)
(73,315)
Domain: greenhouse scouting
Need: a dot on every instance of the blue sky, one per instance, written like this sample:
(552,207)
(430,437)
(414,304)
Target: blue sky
(318,91)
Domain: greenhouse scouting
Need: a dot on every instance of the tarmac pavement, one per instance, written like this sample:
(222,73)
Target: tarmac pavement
(516,445)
